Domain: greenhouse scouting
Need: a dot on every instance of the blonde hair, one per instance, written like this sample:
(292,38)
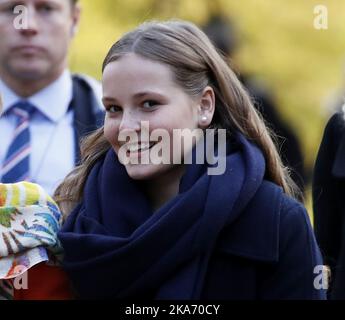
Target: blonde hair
(195,64)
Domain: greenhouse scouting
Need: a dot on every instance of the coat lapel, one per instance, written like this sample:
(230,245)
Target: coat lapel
(338,169)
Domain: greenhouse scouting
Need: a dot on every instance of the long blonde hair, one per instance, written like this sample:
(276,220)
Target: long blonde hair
(195,64)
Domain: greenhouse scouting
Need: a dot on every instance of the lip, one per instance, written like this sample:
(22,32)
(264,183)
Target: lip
(139,152)
(28,49)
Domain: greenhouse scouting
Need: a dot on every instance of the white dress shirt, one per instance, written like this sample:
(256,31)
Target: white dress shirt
(52,135)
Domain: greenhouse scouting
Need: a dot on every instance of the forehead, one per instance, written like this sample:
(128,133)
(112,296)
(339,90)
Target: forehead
(133,72)
(24,2)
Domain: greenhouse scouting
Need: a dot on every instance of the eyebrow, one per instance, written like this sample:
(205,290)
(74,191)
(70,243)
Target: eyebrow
(9,2)
(135,96)
(141,94)
(21,2)
(108,99)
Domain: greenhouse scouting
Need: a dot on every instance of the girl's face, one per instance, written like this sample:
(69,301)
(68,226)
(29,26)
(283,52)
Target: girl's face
(137,89)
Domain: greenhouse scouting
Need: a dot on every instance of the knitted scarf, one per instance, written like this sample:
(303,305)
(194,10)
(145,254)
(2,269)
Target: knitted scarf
(117,247)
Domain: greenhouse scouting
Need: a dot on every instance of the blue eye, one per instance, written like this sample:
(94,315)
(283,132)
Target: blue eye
(45,8)
(9,9)
(113,109)
(148,104)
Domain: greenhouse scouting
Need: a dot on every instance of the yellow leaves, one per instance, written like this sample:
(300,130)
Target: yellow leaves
(277,42)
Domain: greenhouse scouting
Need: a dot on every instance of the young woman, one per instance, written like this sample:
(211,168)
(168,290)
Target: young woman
(30,252)
(329,202)
(174,229)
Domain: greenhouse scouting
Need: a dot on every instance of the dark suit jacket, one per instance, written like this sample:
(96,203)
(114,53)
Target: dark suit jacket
(88,116)
(329,202)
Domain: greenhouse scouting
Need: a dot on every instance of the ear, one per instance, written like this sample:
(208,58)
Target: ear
(76,12)
(206,108)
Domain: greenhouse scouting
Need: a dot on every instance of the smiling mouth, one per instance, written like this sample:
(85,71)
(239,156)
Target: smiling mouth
(135,148)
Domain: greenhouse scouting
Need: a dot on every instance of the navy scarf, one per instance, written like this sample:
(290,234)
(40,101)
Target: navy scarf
(116,247)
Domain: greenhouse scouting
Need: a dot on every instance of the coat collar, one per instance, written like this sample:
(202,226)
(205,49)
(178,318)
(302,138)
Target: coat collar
(255,235)
(338,169)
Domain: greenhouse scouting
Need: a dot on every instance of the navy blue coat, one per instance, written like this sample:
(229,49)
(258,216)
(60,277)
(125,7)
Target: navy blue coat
(329,202)
(261,256)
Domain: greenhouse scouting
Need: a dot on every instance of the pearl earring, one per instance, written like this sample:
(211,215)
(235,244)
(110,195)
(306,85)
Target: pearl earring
(203,118)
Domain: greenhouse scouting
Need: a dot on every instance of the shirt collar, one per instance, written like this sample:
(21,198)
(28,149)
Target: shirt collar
(49,101)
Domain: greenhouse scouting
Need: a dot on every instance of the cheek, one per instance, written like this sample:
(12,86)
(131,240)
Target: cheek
(62,36)
(64,42)
(6,24)
(178,118)
(185,116)
(6,37)
(111,132)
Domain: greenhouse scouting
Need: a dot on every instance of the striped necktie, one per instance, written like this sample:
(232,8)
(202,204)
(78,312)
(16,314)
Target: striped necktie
(16,166)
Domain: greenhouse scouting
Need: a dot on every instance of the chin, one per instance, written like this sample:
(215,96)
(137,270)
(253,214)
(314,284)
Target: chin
(144,171)
(30,71)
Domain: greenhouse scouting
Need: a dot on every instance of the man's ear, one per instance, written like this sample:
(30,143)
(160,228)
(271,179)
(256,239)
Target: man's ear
(0,104)
(206,107)
(76,13)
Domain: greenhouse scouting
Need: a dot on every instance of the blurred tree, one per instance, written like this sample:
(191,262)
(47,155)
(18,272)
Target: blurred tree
(278,43)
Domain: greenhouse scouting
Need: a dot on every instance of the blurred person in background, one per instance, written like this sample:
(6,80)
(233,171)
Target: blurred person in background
(222,33)
(46,109)
(335,99)
(30,252)
(329,201)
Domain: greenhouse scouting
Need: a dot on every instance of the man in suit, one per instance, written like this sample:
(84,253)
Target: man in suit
(46,110)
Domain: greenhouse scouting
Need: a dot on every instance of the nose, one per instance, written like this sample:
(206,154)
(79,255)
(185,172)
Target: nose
(31,26)
(129,122)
